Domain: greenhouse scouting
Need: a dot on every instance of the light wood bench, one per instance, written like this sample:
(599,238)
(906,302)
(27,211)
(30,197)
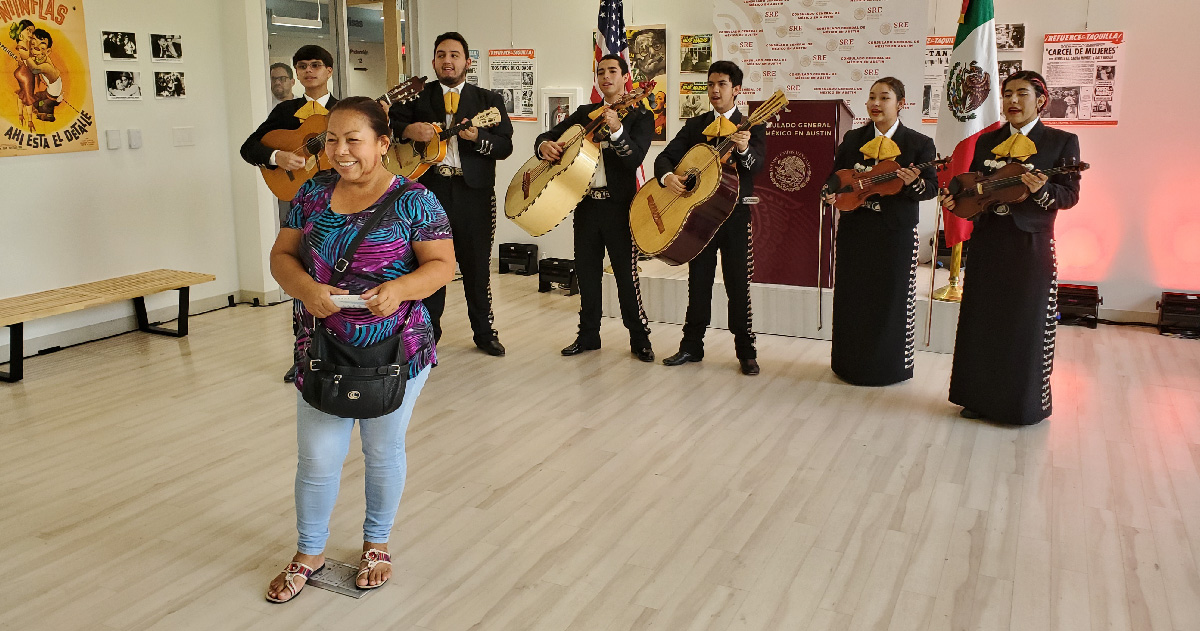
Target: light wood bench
(16,311)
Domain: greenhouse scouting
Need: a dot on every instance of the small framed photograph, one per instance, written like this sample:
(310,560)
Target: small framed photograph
(557,105)
(169,85)
(119,46)
(123,85)
(1007,67)
(1010,37)
(166,48)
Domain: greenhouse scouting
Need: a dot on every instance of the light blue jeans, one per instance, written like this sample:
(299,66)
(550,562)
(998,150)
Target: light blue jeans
(323,441)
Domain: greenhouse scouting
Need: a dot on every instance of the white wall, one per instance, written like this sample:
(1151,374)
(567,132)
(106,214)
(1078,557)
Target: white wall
(78,217)
(1134,233)
(85,216)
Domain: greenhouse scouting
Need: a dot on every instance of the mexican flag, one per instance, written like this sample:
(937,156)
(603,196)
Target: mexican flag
(971,100)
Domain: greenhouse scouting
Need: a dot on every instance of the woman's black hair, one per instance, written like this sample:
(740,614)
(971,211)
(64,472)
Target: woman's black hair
(369,108)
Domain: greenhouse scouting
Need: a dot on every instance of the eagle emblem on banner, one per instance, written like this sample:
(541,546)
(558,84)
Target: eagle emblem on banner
(967,87)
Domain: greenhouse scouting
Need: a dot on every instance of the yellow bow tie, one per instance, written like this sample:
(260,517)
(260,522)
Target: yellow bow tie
(880,149)
(310,108)
(451,102)
(719,128)
(1017,147)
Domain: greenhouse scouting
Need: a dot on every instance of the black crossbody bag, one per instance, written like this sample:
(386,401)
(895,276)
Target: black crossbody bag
(356,381)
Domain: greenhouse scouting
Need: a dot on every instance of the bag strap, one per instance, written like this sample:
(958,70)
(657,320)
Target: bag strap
(343,263)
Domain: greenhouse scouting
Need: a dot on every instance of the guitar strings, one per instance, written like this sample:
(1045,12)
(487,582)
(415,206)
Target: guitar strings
(624,103)
(765,111)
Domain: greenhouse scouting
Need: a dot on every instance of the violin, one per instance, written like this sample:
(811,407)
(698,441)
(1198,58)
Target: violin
(852,187)
(974,193)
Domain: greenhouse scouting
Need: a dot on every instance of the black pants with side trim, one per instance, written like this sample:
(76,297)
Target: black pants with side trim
(472,215)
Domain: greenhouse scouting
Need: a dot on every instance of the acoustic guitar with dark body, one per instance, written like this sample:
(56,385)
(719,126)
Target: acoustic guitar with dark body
(676,228)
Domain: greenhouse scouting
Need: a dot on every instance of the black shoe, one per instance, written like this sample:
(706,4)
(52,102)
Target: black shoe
(749,366)
(971,414)
(290,375)
(492,347)
(644,354)
(681,358)
(578,347)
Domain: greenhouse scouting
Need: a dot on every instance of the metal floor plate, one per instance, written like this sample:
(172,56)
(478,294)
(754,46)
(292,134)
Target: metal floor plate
(338,577)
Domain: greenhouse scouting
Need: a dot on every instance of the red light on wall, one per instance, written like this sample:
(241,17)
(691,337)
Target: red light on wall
(1172,234)
(1187,243)
(1078,249)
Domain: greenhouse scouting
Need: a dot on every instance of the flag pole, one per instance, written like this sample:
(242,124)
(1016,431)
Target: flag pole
(953,291)
(937,227)
(820,281)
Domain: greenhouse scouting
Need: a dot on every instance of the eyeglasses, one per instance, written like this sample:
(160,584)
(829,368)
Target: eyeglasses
(316,65)
(282,79)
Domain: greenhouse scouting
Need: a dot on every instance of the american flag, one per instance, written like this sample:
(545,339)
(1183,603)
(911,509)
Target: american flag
(610,38)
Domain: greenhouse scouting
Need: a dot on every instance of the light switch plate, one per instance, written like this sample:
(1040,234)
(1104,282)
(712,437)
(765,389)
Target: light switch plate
(112,137)
(135,139)
(182,136)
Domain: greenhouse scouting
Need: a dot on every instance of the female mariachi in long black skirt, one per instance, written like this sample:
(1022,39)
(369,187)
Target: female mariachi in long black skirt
(1004,351)
(874,294)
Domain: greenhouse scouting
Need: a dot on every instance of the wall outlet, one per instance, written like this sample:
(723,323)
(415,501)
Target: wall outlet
(182,136)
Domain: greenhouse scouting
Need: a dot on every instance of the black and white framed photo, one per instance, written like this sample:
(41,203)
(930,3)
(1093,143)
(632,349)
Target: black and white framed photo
(1008,67)
(166,47)
(1010,37)
(123,85)
(119,46)
(169,85)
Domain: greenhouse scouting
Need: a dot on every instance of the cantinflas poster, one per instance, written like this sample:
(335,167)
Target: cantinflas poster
(45,86)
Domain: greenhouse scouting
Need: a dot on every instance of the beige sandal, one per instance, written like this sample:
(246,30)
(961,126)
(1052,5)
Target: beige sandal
(294,570)
(373,557)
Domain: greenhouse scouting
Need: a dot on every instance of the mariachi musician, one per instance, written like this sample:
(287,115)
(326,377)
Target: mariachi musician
(734,238)
(874,299)
(465,181)
(1004,350)
(314,67)
(602,218)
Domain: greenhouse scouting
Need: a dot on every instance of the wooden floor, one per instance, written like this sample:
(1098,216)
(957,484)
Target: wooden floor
(146,483)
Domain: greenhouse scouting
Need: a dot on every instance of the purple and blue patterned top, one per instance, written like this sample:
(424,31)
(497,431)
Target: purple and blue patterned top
(384,255)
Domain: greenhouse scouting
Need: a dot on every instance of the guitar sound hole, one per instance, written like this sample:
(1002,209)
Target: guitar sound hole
(691,181)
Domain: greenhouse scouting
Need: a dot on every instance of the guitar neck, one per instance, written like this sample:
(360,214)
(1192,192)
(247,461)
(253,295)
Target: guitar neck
(1016,179)
(450,131)
(1006,182)
(891,175)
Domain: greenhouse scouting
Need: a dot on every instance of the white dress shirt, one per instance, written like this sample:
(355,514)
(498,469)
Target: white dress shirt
(600,178)
(453,158)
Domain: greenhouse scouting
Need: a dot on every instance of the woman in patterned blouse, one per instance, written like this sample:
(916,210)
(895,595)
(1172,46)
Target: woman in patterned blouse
(405,258)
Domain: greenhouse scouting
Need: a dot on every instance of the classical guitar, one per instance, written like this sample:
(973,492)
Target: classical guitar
(852,187)
(413,159)
(675,228)
(974,193)
(544,192)
(308,142)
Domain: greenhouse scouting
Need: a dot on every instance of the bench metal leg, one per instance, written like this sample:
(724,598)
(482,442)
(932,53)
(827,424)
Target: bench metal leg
(181,327)
(16,354)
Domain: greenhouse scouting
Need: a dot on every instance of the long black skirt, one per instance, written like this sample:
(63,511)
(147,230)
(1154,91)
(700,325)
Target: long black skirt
(1004,351)
(874,304)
